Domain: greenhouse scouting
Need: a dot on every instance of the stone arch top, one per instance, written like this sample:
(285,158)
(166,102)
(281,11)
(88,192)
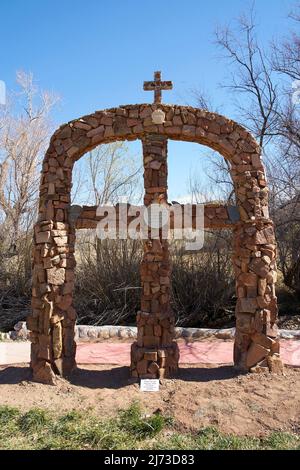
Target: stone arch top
(185,123)
(131,122)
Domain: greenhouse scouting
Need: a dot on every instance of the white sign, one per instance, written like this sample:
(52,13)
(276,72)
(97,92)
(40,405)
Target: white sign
(158,116)
(149,385)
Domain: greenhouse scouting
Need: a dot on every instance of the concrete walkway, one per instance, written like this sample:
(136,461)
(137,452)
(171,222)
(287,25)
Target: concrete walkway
(205,352)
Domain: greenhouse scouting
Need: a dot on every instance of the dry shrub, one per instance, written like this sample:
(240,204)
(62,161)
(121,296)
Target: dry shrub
(107,287)
(203,283)
(108,282)
(15,283)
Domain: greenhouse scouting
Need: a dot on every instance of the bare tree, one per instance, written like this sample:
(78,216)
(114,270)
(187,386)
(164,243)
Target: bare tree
(251,83)
(286,62)
(286,56)
(111,172)
(263,81)
(251,77)
(23,139)
(25,128)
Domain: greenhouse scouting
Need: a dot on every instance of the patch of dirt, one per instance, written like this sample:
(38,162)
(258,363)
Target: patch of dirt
(251,404)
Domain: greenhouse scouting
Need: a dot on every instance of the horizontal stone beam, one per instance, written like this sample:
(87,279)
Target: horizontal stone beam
(151,86)
(216,216)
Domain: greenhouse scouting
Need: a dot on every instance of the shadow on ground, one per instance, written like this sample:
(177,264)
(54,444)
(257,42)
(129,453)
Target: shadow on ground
(206,374)
(118,377)
(14,375)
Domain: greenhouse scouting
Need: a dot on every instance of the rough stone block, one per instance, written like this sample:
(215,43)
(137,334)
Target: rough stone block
(255,354)
(153,368)
(246,305)
(275,364)
(248,279)
(151,341)
(43,237)
(142,367)
(259,267)
(150,355)
(56,276)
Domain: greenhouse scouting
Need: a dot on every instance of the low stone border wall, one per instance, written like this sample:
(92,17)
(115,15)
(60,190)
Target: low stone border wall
(105,332)
(88,332)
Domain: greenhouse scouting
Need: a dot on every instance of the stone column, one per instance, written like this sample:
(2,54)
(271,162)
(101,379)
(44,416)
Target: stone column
(257,341)
(52,319)
(155,354)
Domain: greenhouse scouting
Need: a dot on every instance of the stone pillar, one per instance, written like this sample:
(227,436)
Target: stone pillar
(155,354)
(256,345)
(52,319)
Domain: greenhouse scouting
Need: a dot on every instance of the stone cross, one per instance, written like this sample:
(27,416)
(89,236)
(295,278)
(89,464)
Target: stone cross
(157,85)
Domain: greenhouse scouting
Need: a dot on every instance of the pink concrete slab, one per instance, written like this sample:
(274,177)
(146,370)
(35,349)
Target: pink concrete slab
(212,352)
(205,352)
(290,352)
(103,353)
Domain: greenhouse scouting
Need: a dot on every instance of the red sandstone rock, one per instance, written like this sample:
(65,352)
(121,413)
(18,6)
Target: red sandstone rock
(254,242)
(255,354)
(56,276)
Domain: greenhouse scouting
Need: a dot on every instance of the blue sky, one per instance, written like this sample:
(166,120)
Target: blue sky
(96,54)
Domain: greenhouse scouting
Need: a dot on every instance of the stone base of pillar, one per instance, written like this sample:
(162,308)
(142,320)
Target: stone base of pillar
(42,372)
(257,353)
(46,371)
(64,366)
(154,363)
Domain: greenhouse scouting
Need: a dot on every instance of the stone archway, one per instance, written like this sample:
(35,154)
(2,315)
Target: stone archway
(155,353)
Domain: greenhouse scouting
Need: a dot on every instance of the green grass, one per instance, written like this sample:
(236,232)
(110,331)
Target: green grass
(33,421)
(132,421)
(130,429)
